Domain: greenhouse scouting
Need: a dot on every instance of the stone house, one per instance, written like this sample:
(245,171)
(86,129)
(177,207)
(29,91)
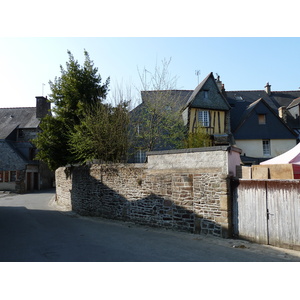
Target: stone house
(19,171)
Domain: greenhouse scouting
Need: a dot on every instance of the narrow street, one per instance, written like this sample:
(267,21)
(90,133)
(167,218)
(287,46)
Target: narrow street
(32,229)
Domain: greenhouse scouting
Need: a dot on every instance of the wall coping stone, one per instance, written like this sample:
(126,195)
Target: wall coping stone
(192,150)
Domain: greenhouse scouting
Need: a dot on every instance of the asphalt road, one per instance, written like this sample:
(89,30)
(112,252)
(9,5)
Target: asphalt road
(32,229)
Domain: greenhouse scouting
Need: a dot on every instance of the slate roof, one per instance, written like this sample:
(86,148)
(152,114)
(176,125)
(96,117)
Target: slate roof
(211,104)
(181,97)
(295,102)
(240,101)
(21,117)
(276,128)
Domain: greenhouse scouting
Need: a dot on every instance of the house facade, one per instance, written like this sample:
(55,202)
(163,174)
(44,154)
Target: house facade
(19,171)
(262,123)
(208,108)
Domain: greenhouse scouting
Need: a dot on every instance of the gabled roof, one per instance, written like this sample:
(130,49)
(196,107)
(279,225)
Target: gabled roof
(21,117)
(217,102)
(174,98)
(274,129)
(295,102)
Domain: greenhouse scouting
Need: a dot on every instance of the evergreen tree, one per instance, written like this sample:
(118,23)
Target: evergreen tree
(72,95)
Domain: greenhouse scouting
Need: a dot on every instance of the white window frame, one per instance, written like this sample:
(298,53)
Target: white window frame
(140,156)
(203,118)
(266,144)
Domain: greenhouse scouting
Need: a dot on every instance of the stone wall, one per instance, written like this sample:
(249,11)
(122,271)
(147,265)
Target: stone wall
(192,197)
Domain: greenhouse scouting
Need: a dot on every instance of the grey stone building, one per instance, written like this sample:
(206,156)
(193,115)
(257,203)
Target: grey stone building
(19,171)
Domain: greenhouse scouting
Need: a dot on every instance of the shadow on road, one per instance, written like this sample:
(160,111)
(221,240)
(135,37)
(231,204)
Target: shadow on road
(36,235)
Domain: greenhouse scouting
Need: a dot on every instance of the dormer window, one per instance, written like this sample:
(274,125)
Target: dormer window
(21,133)
(238,98)
(261,119)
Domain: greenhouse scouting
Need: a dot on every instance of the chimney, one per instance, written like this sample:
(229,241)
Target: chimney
(282,113)
(268,89)
(220,84)
(43,107)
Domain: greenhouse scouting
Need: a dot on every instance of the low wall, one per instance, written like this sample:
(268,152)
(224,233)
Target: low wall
(186,195)
(278,171)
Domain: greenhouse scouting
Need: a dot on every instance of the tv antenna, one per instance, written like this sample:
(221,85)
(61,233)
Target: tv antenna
(197,73)
(43,84)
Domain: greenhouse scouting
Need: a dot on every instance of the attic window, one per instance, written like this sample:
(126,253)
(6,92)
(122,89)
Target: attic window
(261,119)
(205,94)
(21,133)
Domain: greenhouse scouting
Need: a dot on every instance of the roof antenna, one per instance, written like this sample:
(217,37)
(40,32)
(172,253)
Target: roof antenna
(43,84)
(197,73)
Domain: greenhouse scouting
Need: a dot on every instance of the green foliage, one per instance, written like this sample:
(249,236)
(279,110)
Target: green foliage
(78,88)
(102,134)
(197,139)
(51,141)
(72,95)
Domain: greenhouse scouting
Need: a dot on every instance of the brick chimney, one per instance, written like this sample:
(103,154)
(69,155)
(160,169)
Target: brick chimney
(268,89)
(43,107)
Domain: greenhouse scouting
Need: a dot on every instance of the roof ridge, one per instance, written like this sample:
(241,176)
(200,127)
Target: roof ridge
(262,91)
(167,90)
(285,91)
(245,91)
(17,107)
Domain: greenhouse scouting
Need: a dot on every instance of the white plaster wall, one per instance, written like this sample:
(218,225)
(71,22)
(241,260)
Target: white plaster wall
(254,148)
(278,147)
(209,159)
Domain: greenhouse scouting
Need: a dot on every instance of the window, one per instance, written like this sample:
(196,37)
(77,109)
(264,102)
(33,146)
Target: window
(203,118)
(205,93)
(13,176)
(261,119)
(21,133)
(266,148)
(140,156)
(1,176)
(238,98)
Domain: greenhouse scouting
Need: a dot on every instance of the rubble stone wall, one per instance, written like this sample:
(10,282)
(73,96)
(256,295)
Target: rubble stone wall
(190,199)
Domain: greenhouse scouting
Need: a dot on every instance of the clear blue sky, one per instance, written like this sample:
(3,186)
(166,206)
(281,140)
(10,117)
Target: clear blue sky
(224,37)
(243,63)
